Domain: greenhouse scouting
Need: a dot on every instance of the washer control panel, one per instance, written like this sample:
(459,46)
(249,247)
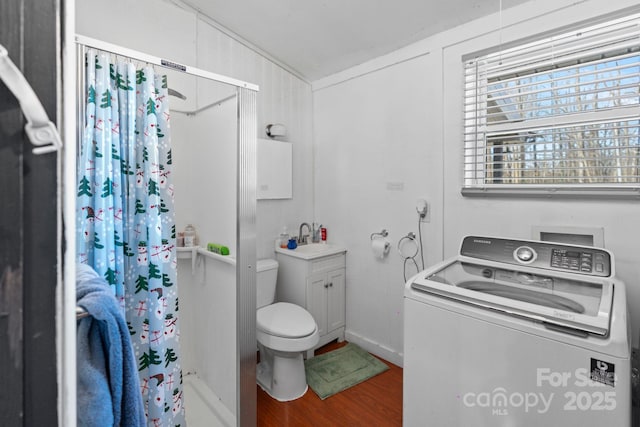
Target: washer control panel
(548,255)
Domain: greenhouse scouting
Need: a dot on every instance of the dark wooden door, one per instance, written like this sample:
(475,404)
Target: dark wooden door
(29,212)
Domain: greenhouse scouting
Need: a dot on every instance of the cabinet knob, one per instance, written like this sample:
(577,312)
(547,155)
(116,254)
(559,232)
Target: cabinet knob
(331,284)
(326,285)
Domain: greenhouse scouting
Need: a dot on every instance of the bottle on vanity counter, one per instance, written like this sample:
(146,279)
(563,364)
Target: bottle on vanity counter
(284,238)
(315,233)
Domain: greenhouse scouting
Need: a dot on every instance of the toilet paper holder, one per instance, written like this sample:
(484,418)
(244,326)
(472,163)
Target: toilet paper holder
(383,233)
(379,244)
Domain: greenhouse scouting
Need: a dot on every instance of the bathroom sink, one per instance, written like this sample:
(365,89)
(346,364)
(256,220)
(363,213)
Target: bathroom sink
(312,250)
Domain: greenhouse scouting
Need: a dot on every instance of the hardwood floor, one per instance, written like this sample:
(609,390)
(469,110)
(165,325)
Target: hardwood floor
(375,402)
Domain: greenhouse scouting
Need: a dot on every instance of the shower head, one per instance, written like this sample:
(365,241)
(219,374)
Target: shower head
(177,94)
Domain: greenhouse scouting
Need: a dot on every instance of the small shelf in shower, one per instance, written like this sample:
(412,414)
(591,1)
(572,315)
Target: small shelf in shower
(186,252)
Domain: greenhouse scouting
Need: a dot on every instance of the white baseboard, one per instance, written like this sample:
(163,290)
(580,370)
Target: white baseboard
(375,348)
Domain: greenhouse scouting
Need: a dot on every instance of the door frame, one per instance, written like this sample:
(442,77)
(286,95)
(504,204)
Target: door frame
(30,222)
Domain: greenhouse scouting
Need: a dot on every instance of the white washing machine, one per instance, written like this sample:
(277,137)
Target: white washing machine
(517,333)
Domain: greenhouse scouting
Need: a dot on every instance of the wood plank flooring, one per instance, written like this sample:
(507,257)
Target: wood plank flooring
(375,402)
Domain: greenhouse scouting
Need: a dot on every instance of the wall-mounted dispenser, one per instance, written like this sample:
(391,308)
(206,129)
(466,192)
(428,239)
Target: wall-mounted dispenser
(275,169)
(422,207)
(276,129)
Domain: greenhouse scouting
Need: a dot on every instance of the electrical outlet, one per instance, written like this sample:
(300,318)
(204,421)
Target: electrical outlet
(424,210)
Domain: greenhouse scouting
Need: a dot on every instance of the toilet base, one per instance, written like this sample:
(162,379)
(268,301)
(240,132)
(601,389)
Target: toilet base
(281,374)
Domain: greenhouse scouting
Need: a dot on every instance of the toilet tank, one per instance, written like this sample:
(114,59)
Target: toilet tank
(266,277)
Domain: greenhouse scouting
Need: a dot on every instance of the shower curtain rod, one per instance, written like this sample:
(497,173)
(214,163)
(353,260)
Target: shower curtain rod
(140,56)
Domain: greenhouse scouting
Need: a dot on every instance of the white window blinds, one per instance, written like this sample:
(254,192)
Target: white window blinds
(556,114)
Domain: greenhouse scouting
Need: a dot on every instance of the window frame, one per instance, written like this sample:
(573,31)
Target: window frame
(478,185)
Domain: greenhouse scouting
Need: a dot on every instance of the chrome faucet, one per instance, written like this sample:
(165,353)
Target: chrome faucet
(302,238)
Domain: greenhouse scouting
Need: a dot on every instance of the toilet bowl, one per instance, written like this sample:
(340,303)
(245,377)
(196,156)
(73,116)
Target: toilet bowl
(284,332)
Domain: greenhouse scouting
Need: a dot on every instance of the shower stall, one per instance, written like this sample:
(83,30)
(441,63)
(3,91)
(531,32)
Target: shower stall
(213,132)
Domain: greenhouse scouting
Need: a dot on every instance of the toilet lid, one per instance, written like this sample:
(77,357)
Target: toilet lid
(285,320)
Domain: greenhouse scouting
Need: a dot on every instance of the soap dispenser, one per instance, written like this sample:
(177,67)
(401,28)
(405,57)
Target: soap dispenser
(284,238)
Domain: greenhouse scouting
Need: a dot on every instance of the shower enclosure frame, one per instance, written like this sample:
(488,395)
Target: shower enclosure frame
(246,397)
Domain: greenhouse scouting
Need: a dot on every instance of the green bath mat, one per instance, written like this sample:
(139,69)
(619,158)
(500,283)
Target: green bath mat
(330,373)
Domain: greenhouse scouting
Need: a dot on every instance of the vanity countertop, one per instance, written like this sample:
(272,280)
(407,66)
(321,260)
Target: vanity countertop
(312,251)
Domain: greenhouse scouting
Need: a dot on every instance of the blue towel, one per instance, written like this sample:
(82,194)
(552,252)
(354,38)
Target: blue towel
(108,385)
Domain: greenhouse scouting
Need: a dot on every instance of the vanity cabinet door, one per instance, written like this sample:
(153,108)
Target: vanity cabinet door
(326,300)
(317,300)
(336,299)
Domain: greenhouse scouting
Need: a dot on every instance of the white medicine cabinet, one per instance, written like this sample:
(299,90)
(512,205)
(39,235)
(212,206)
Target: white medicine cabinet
(274,163)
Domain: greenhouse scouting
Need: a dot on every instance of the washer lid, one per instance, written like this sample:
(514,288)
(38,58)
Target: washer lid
(574,302)
(285,320)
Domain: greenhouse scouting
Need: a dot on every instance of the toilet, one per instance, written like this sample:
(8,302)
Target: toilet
(285,332)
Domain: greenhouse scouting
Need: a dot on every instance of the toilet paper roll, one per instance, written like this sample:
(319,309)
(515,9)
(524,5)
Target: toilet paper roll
(380,247)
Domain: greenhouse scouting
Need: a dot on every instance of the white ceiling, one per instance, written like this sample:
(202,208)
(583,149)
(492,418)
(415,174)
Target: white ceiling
(322,37)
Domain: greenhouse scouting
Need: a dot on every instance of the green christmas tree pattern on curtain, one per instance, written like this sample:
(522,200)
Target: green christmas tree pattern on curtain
(126,219)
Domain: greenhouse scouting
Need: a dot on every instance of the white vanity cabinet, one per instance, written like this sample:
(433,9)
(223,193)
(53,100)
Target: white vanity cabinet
(325,300)
(319,286)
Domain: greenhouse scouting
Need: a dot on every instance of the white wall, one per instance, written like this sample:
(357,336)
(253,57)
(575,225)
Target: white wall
(205,157)
(371,133)
(208,324)
(397,122)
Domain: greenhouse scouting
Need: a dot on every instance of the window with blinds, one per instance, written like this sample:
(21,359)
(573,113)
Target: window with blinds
(562,113)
